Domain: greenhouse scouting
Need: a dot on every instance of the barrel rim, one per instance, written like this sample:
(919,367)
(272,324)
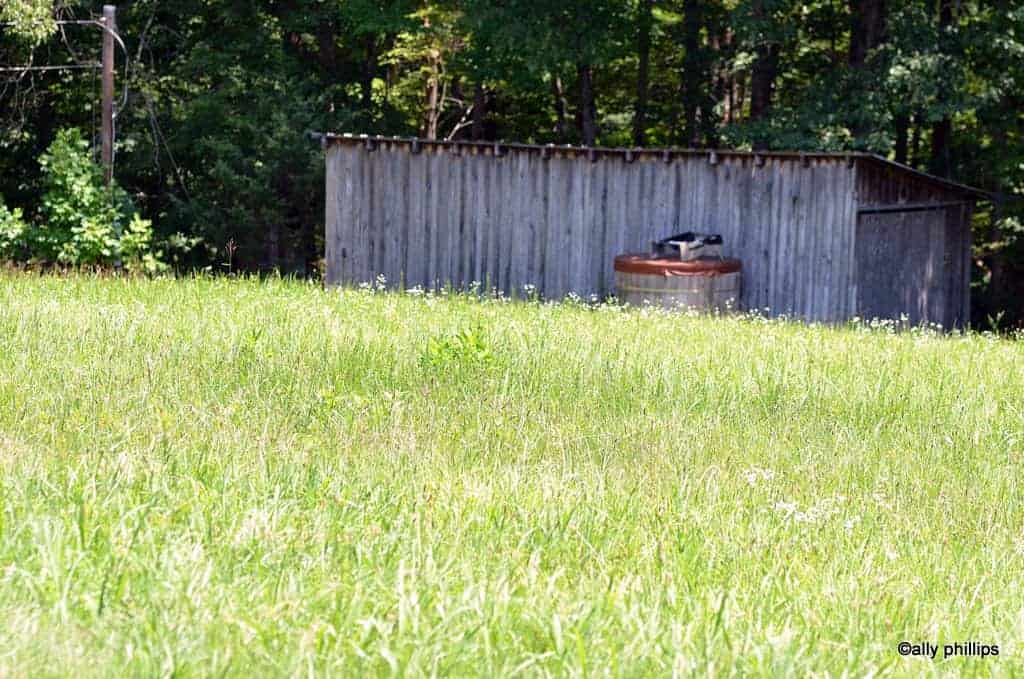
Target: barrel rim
(665,266)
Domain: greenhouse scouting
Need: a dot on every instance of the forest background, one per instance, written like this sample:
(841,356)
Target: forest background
(216,99)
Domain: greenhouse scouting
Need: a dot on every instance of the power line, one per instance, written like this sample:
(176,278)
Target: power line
(62,22)
(79,22)
(69,67)
(110,38)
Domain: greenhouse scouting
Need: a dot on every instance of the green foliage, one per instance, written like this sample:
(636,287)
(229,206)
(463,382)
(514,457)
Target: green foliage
(12,232)
(137,250)
(32,20)
(466,349)
(80,219)
(212,139)
(425,55)
(81,222)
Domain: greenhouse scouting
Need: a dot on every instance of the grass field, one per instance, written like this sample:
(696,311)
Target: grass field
(229,477)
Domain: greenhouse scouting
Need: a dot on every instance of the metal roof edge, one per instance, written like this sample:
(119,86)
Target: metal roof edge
(646,150)
(849,156)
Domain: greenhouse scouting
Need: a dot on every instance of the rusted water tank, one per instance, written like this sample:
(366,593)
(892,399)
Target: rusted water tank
(705,283)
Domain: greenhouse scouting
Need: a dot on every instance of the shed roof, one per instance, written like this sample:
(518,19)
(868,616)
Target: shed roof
(596,152)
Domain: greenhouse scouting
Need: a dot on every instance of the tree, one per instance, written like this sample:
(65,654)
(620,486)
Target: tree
(33,21)
(212,133)
(766,63)
(941,163)
(645,25)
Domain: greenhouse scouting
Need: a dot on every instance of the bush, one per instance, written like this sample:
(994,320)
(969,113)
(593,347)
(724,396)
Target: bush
(12,232)
(81,221)
(466,349)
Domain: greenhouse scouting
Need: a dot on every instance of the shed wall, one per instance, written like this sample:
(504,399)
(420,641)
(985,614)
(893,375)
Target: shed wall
(905,267)
(557,219)
(884,184)
(916,262)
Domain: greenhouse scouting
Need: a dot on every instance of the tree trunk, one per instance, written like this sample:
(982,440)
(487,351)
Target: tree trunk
(942,131)
(713,77)
(867,30)
(369,73)
(741,98)
(433,100)
(560,108)
(730,100)
(722,94)
(327,49)
(902,123)
(1004,288)
(941,163)
(478,133)
(763,75)
(729,104)
(645,21)
(914,155)
(692,70)
(272,247)
(762,80)
(588,106)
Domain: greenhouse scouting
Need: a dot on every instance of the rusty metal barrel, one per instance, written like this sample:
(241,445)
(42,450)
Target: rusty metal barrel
(704,283)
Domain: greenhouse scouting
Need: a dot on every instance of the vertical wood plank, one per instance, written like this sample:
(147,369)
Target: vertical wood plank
(783,211)
(601,268)
(850,253)
(567,213)
(541,206)
(480,217)
(410,230)
(442,216)
(826,229)
(805,256)
(517,218)
(817,205)
(496,215)
(455,195)
(506,166)
(335,219)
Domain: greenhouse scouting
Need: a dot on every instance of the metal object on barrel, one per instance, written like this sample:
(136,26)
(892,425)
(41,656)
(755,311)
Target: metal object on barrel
(685,272)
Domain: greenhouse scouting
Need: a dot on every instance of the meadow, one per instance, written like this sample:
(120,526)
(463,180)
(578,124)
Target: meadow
(234,477)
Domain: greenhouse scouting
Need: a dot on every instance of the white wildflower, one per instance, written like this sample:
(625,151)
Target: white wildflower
(785,508)
(755,474)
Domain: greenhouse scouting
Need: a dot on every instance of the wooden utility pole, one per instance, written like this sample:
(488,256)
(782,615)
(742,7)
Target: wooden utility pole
(109,30)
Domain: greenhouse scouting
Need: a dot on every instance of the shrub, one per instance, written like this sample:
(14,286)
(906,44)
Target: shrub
(12,232)
(81,221)
(453,352)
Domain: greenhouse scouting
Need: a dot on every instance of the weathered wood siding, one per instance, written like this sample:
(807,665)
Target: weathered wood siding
(557,218)
(886,183)
(906,266)
(914,263)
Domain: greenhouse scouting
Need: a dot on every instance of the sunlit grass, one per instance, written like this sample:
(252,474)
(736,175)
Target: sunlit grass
(248,478)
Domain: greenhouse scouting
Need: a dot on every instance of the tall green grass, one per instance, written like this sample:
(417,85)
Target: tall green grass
(244,478)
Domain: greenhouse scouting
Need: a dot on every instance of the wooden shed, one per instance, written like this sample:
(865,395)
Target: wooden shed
(822,236)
